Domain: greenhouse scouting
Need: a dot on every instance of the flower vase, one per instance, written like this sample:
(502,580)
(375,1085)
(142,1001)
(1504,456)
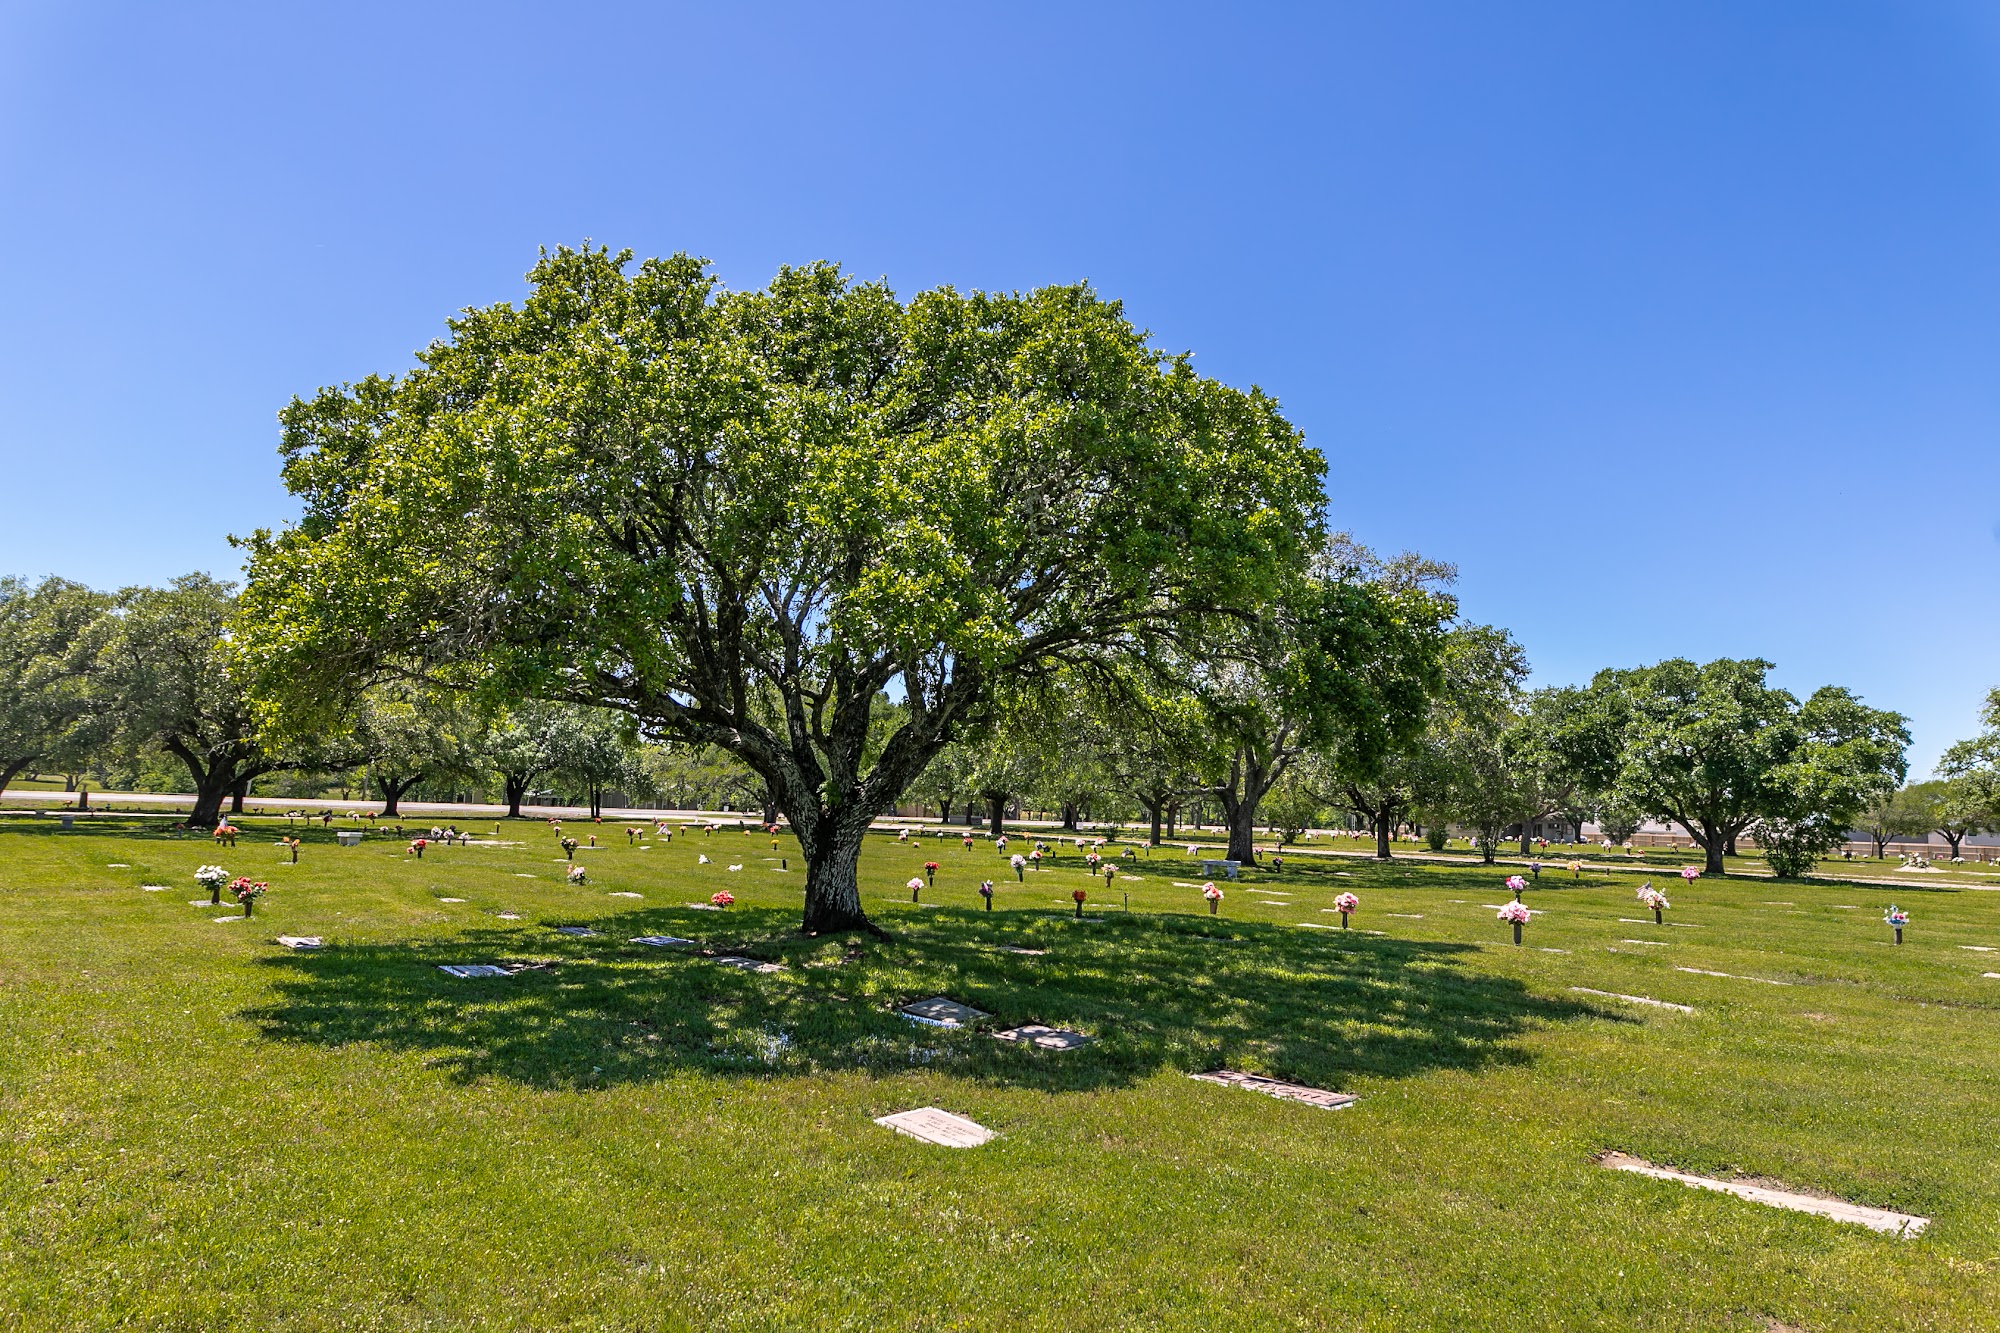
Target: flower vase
(1899,934)
(1658,920)
(215,896)
(989,902)
(1211,906)
(1517,932)
(914,893)
(247,904)
(1343,920)
(1079,909)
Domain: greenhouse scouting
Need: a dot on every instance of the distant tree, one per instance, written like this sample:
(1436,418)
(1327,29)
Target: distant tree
(1348,658)
(519,744)
(946,780)
(43,695)
(592,749)
(1618,821)
(162,673)
(1716,750)
(1952,807)
(1894,815)
(410,736)
(1561,748)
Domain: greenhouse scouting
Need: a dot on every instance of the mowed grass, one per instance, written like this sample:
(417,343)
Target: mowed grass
(207,1131)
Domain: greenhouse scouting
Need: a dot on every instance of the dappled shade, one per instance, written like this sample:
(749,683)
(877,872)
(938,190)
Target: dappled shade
(1156,993)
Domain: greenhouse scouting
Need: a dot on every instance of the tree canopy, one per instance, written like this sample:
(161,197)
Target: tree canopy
(742,516)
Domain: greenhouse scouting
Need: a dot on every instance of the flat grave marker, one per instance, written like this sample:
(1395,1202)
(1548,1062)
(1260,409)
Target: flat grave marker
(662,941)
(1407,916)
(116,865)
(301,941)
(1978,948)
(1704,972)
(580,932)
(466,970)
(1661,943)
(1029,953)
(1634,999)
(695,907)
(152,888)
(451,900)
(1273,1087)
(1044,1038)
(508,916)
(938,1011)
(625,894)
(749,964)
(931,1125)
(225,920)
(1902,1225)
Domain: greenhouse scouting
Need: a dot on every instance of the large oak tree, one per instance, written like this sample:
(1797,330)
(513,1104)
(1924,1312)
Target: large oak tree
(743,516)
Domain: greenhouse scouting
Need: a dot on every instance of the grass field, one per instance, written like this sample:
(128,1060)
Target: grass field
(207,1131)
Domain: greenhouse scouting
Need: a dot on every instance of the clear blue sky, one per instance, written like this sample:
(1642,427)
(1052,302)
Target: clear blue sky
(1675,325)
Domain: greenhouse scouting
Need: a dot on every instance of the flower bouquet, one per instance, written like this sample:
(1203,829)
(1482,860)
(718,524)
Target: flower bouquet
(293,844)
(722,899)
(416,847)
(1346,903)
(1079,895)
(915,886)
(930,873)
(1213,894)
(1653,898)
(1020,864)
(578,875)
(1535,869)
(212,878)
(1896,919)
(1516,883)
(568,846)
(1576,869)
(247,891)
(1517,913)
(986,892)
(1690,874)
(225,834)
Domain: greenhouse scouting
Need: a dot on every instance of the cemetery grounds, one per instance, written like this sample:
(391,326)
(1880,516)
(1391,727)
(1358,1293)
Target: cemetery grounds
(208,1130)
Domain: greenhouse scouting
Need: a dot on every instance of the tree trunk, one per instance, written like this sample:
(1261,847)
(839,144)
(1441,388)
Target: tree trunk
(833,891)
(1525,839)
(996,811)
(1486,847)
(208,794)
(1173,817)
(1712,846)
(1382,848)
(517,787)
(392,795)
(1153,815)
(236,795)
(1952,838)
(1729,849)
(12,769)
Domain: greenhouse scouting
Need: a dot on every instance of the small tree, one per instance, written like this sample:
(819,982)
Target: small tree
(44,700)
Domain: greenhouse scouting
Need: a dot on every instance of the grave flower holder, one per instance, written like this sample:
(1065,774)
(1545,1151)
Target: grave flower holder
(915,886)
(930,873)
(1346,903)
(1896,919)
(1079,895)
(986,892)
(722,899)
(1516,883)
(212,878)
(1214,896)
(1516,915)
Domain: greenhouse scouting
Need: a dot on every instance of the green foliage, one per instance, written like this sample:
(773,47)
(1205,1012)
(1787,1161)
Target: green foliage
(741,516)
(44,700)
(1717,750)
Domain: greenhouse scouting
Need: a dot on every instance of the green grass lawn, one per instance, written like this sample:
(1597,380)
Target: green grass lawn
(207,1131)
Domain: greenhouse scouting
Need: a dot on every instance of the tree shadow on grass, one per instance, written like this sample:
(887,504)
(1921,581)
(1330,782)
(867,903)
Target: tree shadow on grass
(1154,992)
